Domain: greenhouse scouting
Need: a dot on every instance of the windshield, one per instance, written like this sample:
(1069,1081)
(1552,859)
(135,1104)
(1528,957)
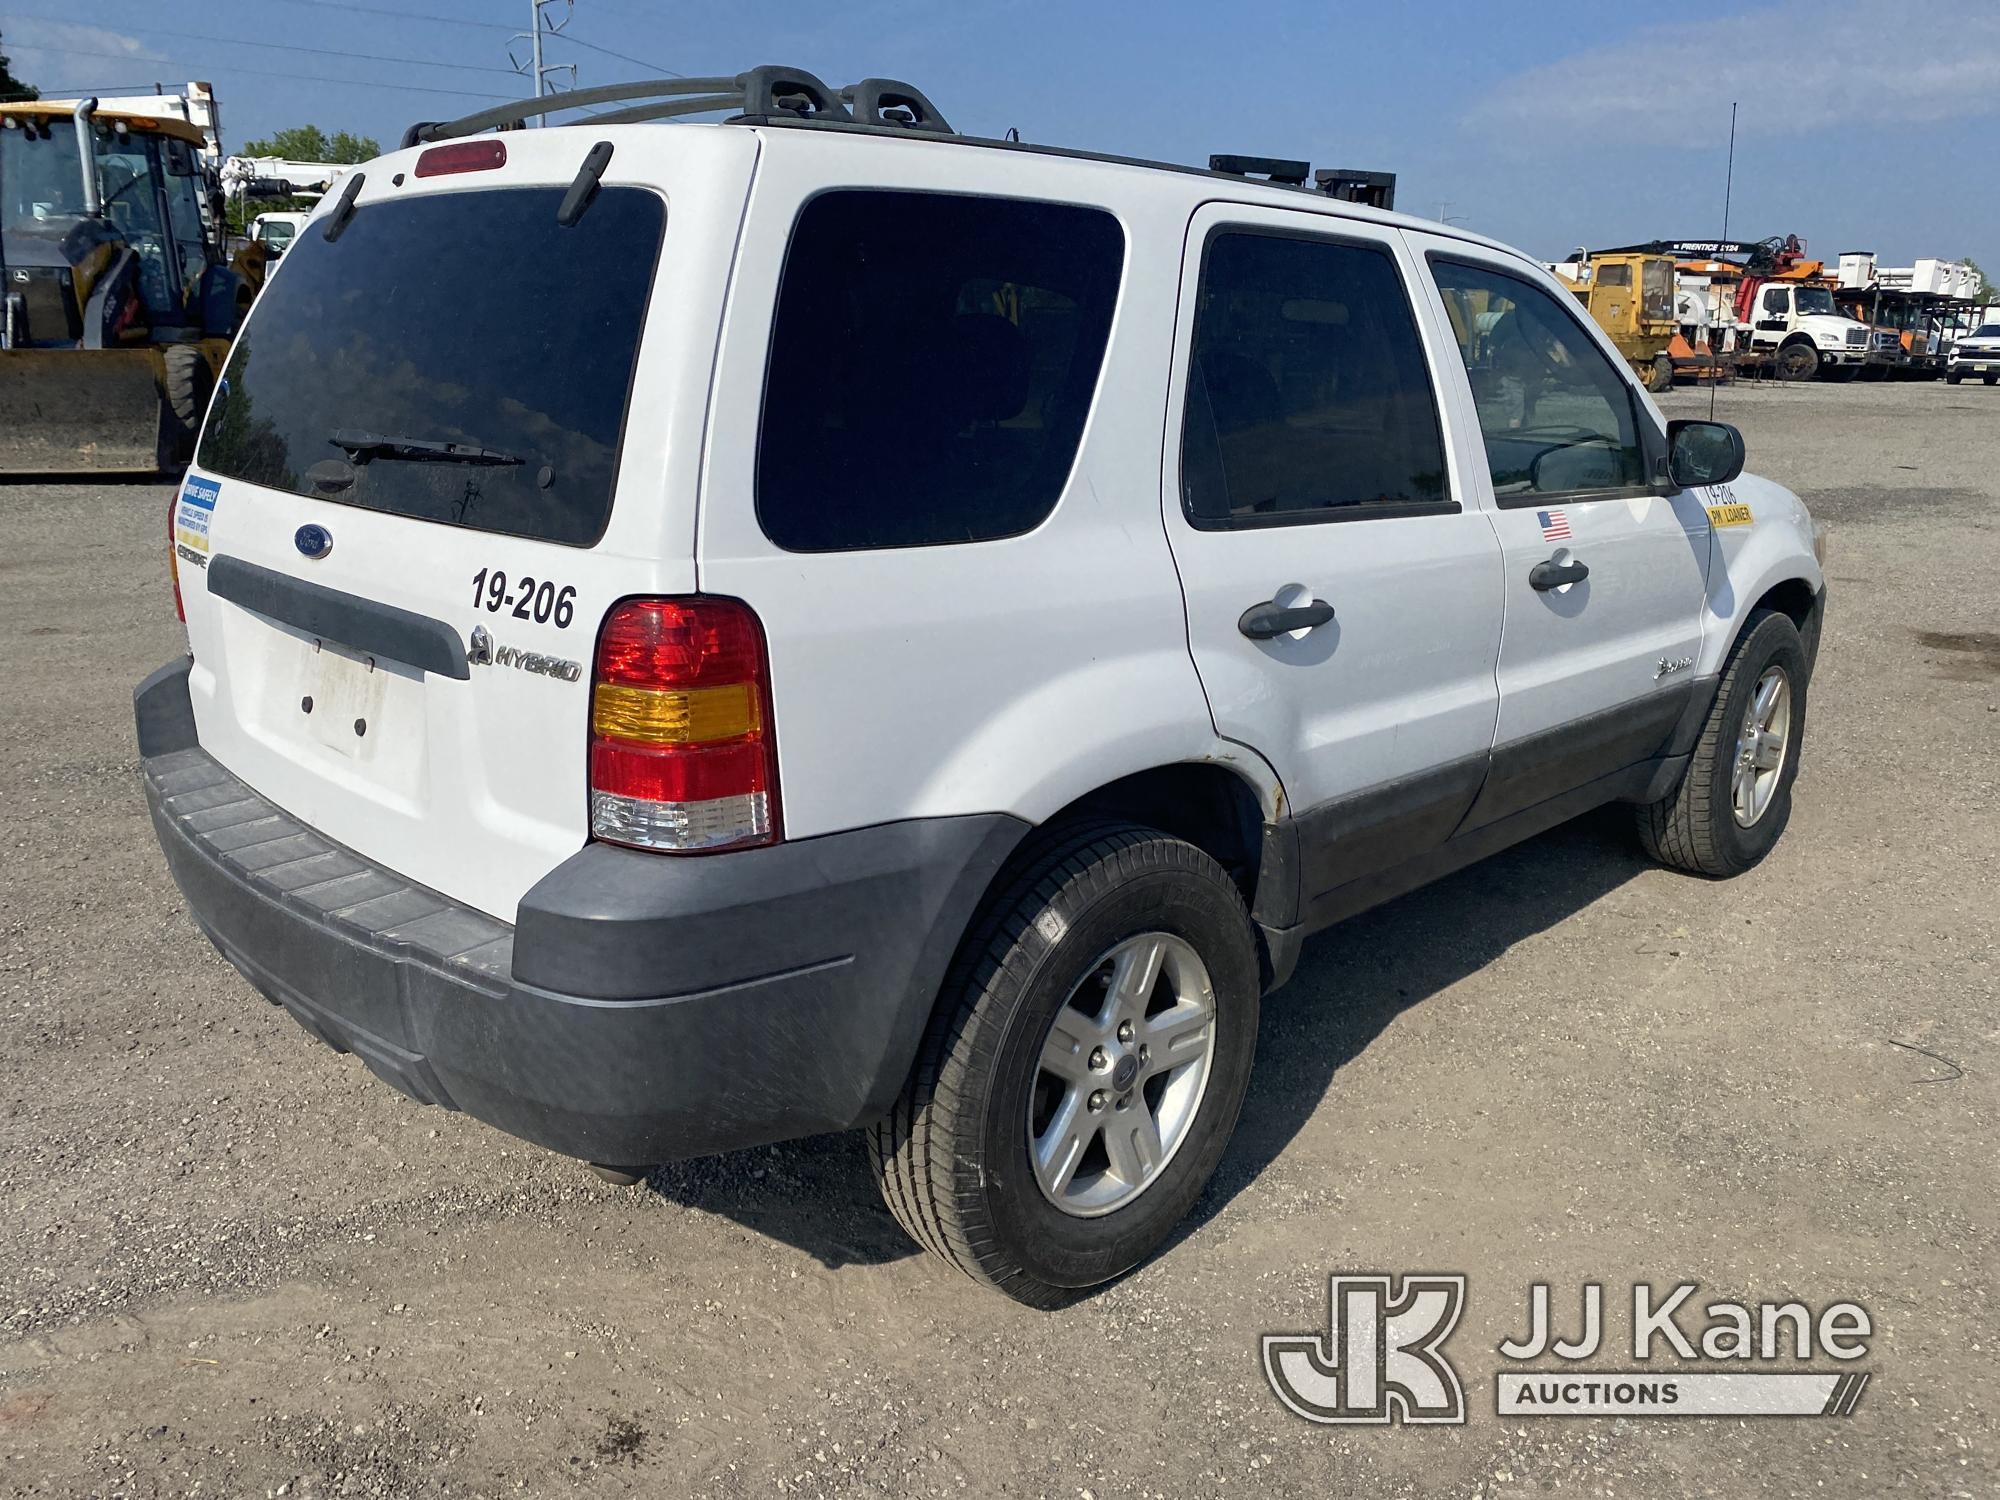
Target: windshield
(39,177)
(1987,331)
(468,318)
(277,232)
(1815,299)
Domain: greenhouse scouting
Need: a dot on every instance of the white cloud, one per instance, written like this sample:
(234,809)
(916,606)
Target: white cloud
(67,54)
(1796,68)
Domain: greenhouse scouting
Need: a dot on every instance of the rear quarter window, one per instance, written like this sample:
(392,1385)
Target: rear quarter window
(932,364)
(469,318)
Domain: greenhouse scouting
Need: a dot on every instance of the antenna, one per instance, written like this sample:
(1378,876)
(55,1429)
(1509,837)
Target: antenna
(1728,190)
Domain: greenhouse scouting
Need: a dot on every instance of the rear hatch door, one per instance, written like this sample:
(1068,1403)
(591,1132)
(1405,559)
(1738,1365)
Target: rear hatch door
(447,441)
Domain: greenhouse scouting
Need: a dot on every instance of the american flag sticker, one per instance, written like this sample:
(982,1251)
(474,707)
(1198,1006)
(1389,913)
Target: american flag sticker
(1555,525)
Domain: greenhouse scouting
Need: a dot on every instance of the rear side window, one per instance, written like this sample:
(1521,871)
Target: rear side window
(1309,398)
(932,363)
(472,320)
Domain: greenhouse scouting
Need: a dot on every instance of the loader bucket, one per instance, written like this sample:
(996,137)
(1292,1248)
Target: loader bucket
(79,411)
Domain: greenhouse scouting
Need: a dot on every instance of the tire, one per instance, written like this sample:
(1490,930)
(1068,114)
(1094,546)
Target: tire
(1989,379)
(1798,362)
(1952,377)
(1696,826)
(184,393)
(1660,377)
(953,1157)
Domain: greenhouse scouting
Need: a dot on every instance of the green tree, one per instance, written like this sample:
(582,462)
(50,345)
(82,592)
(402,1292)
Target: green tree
(310,143)
(300,143)
(12,87)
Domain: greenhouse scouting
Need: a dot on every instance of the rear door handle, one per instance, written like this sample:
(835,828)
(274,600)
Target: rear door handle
(1262,622)
(1553,575)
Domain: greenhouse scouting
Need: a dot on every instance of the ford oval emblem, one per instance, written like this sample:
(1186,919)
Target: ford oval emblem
(314,541)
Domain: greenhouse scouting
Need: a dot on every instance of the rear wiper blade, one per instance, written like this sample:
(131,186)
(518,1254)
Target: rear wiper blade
(362,446)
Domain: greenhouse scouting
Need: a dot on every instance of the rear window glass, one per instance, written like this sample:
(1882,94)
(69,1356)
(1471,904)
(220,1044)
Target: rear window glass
(465,319)
(932,364)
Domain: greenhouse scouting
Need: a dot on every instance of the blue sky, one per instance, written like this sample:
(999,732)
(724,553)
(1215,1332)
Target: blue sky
(1545,127)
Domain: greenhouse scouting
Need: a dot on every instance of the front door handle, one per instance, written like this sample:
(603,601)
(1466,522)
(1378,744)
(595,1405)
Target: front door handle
(1553,575)
(1262,622)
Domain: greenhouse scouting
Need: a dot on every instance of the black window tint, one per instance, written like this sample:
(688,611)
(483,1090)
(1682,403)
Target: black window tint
(932,363)
(1556,415)
(469,318)
(1308,395)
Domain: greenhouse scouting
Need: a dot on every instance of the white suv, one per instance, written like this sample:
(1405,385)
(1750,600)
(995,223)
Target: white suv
(1976,353)
(705,634)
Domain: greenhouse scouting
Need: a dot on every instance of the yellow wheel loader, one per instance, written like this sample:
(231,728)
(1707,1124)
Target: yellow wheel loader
(1631,296)
(117,305)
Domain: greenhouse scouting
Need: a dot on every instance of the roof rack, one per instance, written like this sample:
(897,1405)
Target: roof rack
(1353,185)
(1278,169)
(764,94)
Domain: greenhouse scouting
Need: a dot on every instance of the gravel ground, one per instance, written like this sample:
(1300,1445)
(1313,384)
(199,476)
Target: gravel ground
(232,1263)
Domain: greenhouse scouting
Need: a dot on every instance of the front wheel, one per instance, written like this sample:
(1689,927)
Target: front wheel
(1660,375)
(1735,797)
(1798,362)
(1084,1068)
(1952,377)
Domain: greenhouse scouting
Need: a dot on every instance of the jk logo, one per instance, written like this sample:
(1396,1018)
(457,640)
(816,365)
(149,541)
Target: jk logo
(1382,1357)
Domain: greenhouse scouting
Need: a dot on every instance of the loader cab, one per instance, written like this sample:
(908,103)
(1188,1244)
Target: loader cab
(152,185)
(64,218)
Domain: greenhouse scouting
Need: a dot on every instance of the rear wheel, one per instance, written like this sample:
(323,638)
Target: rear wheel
(1735,797)
(1798,361)
(1084,1068)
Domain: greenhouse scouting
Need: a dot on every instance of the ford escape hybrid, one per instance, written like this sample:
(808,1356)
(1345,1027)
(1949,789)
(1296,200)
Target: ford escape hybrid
(701,634)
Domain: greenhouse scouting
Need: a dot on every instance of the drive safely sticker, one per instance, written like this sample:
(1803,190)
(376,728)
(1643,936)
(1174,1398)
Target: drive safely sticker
(192,516)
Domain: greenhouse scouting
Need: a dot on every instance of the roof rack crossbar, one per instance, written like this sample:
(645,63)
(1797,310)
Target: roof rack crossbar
(763,93)
(1277,169)
(670,109)
(519,111)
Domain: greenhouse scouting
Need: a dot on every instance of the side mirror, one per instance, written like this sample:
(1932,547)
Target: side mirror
(1703,453)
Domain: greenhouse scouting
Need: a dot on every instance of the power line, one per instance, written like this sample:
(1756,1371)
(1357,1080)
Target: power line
(400,15)
(359,83)
(622,57)
(230,41)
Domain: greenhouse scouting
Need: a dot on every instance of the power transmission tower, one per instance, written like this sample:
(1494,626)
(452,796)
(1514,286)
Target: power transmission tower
(540,26)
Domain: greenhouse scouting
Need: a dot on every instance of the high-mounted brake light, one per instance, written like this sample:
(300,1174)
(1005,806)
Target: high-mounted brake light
(681,753)
(462,156)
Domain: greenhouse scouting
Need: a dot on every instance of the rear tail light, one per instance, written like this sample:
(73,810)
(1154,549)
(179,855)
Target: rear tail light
(174,554)
(681,753)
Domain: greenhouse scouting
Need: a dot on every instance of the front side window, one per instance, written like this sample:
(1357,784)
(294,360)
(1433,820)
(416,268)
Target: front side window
(1776,300)
(932,363)
(1308,396)
(1556,415)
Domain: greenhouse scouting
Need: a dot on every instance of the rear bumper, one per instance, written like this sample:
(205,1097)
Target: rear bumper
(645,1007)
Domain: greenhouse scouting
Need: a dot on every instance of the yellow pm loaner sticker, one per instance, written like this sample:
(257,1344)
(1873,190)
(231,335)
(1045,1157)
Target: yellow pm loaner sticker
(1729,515)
